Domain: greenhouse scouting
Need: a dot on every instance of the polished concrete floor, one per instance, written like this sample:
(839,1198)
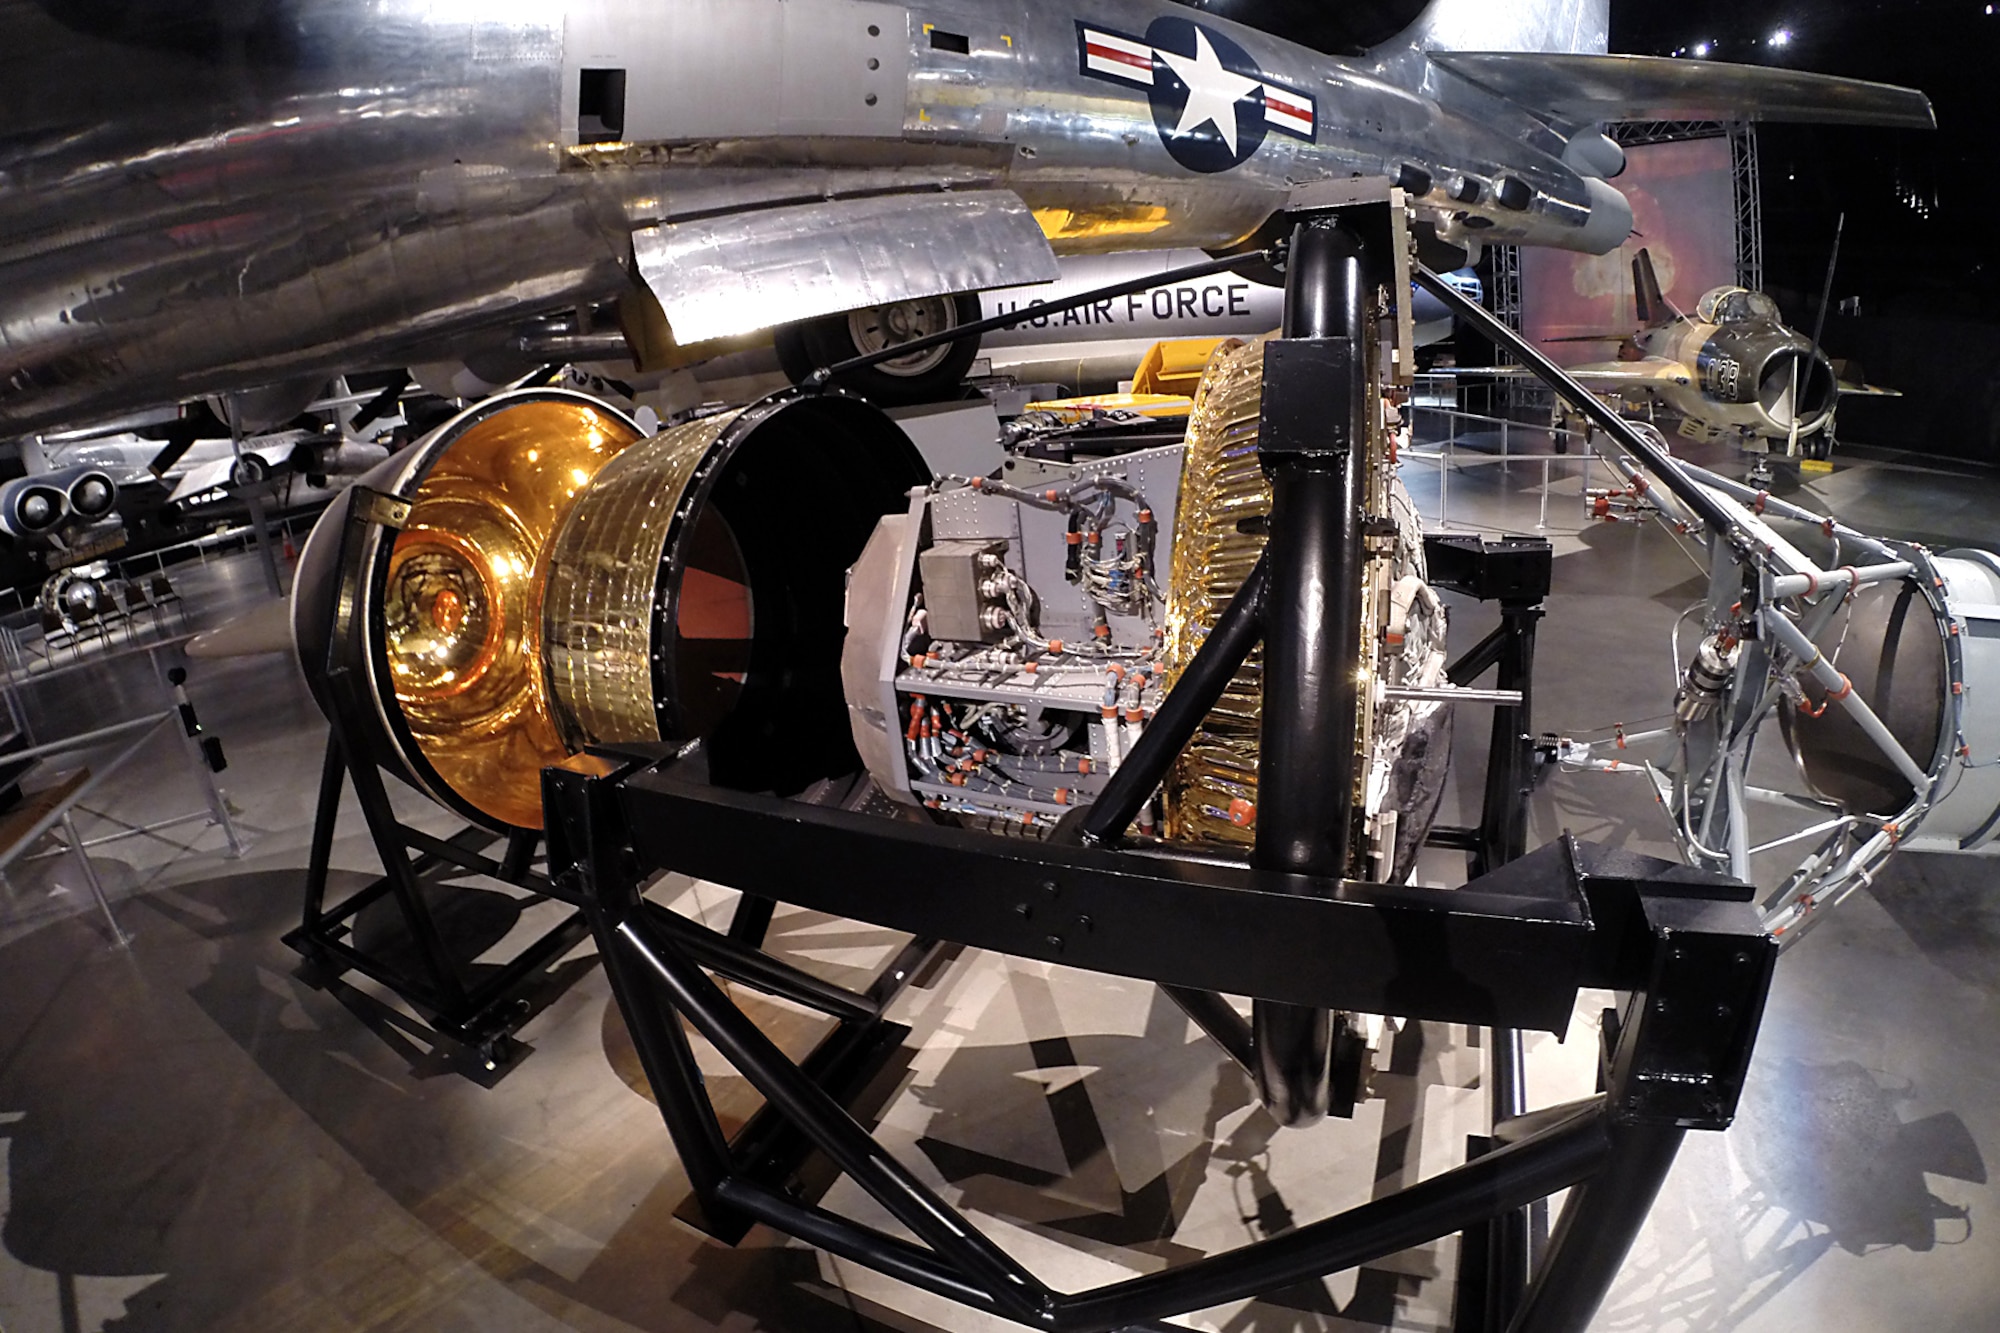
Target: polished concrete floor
(193,1138)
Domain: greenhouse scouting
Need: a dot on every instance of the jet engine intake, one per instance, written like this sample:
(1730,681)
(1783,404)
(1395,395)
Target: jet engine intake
(31,506)
(1796,388)
(89,491)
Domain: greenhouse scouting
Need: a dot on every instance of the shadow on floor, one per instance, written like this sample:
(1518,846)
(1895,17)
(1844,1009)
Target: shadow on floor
(354,1194)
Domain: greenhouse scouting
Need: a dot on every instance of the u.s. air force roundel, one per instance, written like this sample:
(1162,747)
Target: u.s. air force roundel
(1211,104)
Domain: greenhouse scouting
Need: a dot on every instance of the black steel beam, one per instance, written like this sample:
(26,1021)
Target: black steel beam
(1013,1289)
(1507,1178)
(759,971)
(1218,1018)
(1463,955)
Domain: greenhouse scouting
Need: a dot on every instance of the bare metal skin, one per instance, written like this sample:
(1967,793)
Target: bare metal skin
(204,196)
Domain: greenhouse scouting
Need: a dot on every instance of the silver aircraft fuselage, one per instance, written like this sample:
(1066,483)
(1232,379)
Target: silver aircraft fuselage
(201,196)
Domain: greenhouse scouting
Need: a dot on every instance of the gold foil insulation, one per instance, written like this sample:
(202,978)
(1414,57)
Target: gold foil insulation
(462,607)
(1214,784)
(599,645)
(1211,792)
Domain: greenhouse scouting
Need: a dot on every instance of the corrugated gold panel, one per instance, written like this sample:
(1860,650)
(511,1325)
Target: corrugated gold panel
(604,573)
(1222,484)
(461,611)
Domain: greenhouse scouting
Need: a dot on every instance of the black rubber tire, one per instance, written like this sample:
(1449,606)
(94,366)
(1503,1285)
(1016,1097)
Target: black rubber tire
(804,348)
(248,470)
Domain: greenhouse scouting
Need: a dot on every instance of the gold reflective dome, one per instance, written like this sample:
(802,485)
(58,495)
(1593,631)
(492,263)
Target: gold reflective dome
(462,606)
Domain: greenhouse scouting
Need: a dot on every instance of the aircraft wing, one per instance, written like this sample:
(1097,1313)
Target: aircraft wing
(721,276)
(202,477)
(1577,90)
(1651,372)
(1850,389)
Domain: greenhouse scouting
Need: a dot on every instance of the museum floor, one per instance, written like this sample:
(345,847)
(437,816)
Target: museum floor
(193,1139)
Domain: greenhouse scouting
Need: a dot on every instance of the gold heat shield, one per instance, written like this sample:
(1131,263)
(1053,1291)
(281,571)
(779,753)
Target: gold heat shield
(462,604)
(627,570)
(1211,792)
(1222,484)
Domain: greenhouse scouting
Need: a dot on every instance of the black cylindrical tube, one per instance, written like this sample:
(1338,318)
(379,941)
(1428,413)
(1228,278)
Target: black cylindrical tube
(827,1123)
(752,967)
(1312,656)
(862,1245)
(1507,1234)
(1598,1225)
(1555,1159)
(1312,647)
(1187,703)
(1218,1018)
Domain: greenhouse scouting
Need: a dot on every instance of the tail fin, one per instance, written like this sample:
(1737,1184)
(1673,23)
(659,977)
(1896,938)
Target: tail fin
(1653,308)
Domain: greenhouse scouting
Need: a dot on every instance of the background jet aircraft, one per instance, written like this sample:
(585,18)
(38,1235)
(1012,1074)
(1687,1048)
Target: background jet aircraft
(217,196)
(1731,367)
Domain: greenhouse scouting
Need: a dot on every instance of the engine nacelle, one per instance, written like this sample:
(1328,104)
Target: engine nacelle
(90,492)
(31,507)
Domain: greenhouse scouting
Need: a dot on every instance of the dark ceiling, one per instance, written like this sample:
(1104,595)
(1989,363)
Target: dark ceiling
(1920,207)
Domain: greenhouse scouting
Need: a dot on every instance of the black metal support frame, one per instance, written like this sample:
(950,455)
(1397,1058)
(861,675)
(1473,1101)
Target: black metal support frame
(473,1023)
(1508,951)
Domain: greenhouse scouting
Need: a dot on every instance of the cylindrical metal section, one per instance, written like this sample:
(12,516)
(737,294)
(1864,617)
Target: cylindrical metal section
(1312,650)
(1323,282)
(1598,1225)
(1312,654)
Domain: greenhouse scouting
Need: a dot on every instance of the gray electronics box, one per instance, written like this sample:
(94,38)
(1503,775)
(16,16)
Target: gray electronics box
(951,575)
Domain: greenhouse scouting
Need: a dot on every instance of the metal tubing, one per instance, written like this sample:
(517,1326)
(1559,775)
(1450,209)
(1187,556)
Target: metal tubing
(1786,509)
(1597,1227)
(1478,658)
(118,936)
(1040,311)
(450,853)
(1219,1019)
(1529,1123)
(1306,737)
(758,970)
(97,779)
(1660,463)
(1451,694)
(1830,580)
(1829,676)
(1507,1268)
(753,1054)
(849,1240)
(1215,664)
(1510,756)
(90,738)
(1510,1177)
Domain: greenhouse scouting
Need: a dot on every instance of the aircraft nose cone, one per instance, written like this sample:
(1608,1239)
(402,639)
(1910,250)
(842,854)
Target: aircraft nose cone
(36,510)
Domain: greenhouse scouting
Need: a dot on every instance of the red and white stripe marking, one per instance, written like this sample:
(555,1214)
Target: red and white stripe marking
(1118,57)
(1288,111)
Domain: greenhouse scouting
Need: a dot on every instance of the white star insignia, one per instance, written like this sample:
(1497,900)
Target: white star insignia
(1213,91)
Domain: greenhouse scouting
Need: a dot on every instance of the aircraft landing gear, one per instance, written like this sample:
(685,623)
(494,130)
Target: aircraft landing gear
(921,377)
